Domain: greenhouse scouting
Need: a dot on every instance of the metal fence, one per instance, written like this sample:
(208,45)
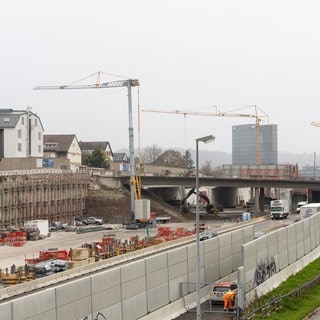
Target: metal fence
(276,303)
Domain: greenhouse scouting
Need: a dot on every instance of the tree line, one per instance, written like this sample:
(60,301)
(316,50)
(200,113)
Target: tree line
(153,155)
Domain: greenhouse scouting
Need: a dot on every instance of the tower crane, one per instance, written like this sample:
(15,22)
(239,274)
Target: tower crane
(256,116)
(128,83)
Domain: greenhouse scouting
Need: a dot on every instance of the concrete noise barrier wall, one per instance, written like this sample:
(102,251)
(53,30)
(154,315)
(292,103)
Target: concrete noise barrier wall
(265,257)
(135,289)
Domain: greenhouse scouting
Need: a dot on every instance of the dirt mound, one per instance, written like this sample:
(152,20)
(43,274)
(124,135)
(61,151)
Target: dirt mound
(113,206)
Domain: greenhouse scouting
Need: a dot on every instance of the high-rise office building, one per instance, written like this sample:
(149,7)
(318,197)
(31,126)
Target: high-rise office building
(244,144)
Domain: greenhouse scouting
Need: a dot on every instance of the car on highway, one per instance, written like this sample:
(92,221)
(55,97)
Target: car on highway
(219,289)
(207,234)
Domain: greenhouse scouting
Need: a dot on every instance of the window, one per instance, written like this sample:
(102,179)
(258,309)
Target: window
(19,146)
(35,122)
(22,120)
(39,148)
(39,135)
(19,133)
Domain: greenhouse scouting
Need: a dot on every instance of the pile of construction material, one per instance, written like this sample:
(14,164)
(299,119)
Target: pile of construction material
(81,256)
(16,275)
(13,238)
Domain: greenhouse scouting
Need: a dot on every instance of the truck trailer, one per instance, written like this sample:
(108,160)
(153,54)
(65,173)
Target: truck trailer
(309,209)
(279,209)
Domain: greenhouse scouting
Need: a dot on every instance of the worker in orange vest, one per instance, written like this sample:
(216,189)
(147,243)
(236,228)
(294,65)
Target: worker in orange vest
(228,300)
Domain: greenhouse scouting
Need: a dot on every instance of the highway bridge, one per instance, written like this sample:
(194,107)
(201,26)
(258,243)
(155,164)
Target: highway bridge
(148,181)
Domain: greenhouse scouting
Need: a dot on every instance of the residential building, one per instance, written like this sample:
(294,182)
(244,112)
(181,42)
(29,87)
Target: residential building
(90,146)
(244,144)
(61,146)
(21,134)
(121,162)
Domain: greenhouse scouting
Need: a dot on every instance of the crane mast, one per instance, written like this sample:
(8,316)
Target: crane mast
(128,83)
(256,116)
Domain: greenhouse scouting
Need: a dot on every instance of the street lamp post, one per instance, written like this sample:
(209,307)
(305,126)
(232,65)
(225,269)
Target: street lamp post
(205,139)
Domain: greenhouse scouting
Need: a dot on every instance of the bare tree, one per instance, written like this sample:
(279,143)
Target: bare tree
(171,158)
(150,153)
(206,169)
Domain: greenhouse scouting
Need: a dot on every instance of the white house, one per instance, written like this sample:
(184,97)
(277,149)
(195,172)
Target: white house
(21,134)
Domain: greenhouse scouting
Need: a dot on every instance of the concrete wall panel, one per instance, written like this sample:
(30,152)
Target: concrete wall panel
(225,245)
(273,244)
(106,298)
(158,296)
(300,239)
(237,241)
(249,261)
(132,270)
(157,278)
(314,221)
(134,307)
(108,279)
(225,254)
(174,287)
(5,310)
(262,249)
(181,254)
(73,291)
(75,309)
(32,305)
(177,270)
(212,271)
(292,243)
(248,234)
(282,256)
(133,287)
(307,235)
(111,312)
(316,225)
(158,262)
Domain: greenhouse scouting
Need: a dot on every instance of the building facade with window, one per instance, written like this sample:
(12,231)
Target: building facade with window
(21,134)
(244,144)
(62,146)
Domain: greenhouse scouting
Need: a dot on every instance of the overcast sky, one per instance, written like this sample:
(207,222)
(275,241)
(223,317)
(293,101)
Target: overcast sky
(188,55)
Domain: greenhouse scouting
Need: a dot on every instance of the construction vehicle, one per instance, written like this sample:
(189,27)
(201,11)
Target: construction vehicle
(256,116)
(210,208)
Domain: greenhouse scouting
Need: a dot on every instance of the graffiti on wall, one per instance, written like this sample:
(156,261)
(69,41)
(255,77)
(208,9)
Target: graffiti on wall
(99,316)
(265,270)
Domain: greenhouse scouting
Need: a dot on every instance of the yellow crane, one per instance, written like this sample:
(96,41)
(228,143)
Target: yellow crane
(256,115)
(128,83)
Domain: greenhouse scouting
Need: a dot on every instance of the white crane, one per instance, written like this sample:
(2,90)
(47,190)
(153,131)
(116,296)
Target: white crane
(256,116)
(128,83)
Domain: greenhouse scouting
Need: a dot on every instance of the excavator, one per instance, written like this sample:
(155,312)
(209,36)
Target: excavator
(209,207)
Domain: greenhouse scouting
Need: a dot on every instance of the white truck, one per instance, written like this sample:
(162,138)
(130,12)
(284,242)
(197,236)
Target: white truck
(279,209)
(309,209)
